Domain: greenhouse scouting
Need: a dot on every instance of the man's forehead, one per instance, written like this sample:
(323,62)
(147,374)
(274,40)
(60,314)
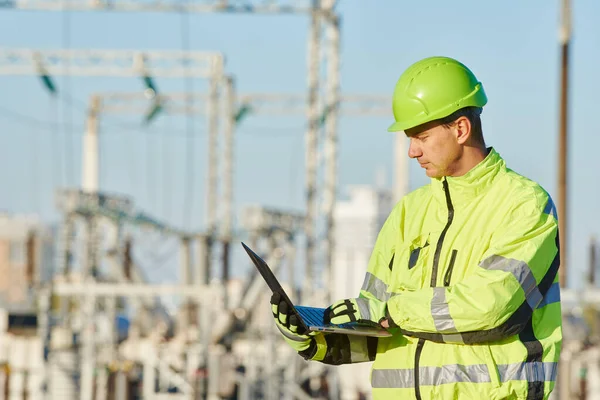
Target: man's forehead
(421,129)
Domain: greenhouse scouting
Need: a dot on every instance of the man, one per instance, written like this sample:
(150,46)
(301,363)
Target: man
(464,271)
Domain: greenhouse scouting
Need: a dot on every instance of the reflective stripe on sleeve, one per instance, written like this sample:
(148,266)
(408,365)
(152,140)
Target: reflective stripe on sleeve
(522,274)
(528,371)
(376,287)
(440,312)
(363,308)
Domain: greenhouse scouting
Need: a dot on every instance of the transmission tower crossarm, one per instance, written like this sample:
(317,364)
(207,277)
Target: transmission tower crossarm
(121,63)
(351,104)
(195,6)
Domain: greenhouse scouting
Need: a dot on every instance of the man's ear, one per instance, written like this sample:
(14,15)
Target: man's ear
(462,129)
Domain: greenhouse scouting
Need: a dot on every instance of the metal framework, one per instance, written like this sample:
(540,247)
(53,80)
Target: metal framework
(322,15)
(323,20)
(117,63)
(351,105)
(126,63)
(91,293)
(120,63)
(193,6)
(207,104)
(117,209)
(110,213)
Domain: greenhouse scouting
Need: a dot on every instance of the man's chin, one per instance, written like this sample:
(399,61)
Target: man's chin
(431,173)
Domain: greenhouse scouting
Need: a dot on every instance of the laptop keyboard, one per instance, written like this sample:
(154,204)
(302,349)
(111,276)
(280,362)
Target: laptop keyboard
(313,316)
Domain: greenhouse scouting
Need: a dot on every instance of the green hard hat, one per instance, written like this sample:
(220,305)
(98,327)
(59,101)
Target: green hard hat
(434,88)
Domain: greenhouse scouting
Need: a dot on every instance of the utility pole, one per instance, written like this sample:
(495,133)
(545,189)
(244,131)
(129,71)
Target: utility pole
(213,157)
(90,177)
(332,96)
(565,38)
(312,146)
(228,160)
(593,265)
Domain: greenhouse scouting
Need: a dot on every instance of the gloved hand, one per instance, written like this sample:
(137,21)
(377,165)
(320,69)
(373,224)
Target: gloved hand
(288,325)
(361,310)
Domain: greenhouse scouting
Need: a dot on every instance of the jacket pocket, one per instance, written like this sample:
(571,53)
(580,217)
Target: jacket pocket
(414,256)
(491,365)
(410,265)
(448,274)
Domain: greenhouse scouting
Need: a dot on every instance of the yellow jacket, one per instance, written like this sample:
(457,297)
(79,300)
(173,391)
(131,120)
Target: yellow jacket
(468,268)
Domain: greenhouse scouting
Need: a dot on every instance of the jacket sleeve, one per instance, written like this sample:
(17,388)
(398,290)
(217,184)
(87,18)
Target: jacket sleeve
(339,348)
(498,299)
(336,348)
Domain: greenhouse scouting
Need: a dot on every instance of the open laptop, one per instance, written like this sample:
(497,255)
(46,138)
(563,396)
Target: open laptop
(311,318)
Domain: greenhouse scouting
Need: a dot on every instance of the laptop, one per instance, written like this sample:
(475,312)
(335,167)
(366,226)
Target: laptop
(311,318)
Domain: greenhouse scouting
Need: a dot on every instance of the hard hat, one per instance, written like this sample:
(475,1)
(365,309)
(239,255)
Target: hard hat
(434,88)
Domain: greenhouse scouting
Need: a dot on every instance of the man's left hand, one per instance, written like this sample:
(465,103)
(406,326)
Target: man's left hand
(361,310)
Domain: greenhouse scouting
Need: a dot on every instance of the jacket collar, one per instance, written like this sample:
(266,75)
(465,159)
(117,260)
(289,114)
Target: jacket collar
(465,188)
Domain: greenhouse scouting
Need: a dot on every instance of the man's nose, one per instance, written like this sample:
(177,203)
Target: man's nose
(414,150)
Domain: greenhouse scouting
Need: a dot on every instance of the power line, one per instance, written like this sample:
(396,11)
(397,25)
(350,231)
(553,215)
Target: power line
(73,102)
(272,131)
(46,124)
(27,120)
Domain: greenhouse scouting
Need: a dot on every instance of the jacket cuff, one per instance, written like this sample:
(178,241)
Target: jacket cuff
(317,349)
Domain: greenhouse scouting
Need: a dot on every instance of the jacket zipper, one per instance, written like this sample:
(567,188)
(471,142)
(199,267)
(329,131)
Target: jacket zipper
(438,248)
(448,274)
(434,272)
(417,357)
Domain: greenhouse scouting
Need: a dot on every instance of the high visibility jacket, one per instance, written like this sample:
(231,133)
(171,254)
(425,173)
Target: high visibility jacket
(468,268)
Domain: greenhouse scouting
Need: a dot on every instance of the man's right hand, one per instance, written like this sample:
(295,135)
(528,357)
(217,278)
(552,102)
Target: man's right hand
(287,323)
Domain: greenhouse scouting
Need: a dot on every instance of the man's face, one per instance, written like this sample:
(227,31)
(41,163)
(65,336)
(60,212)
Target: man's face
(435,147)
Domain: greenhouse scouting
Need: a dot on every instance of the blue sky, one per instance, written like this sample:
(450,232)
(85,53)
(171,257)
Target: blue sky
(512,47)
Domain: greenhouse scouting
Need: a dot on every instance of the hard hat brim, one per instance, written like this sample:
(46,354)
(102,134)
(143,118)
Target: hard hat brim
(477,98)
(397,127)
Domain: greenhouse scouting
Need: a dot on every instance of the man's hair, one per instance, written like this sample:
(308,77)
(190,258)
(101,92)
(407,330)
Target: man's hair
(473,114)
